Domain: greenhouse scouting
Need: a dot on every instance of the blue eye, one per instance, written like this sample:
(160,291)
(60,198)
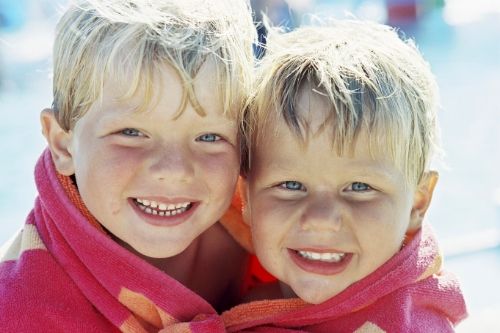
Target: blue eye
(209,137)
(292,186)
(131,132)
(360,187)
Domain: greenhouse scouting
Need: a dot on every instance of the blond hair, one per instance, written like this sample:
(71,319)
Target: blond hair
(127,41)
(373,80)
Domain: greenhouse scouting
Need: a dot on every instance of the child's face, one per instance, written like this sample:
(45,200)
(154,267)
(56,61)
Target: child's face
(321,222)
(154,181)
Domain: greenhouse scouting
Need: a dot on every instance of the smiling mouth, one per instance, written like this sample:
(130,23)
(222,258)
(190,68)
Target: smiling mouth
(320,262)
(332,257)
(161,209)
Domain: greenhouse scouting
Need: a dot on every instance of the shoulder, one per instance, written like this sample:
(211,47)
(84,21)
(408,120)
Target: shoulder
(36,294)
(24,261)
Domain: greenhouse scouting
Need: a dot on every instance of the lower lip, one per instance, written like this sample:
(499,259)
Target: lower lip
(320,267)
(164,221)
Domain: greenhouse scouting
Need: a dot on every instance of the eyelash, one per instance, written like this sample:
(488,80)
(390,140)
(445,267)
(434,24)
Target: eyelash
(292,185)
(367,188)
(202,138)
(216,137)
(126,132)
(284,186)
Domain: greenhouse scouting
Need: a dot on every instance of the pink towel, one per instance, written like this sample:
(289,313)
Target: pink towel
(64,274)
(409,293)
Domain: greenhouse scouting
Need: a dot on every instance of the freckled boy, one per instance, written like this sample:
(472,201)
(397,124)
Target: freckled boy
(142,162)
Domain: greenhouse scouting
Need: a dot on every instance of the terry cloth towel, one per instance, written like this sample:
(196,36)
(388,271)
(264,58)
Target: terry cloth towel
(63,274)
(409,293)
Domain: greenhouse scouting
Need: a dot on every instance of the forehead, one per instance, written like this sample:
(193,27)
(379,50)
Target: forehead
(281,139)
(319,132)
(339,125)
(162,87)
(312,109)
(286,154)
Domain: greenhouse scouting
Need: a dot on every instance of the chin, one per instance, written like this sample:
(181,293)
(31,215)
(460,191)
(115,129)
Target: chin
(315,299)
(314,294)
(162,250)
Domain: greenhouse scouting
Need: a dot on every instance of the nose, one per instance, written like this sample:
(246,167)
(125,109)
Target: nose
(323,213)
(173,163)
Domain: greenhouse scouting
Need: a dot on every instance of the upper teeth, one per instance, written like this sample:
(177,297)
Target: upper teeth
(162,206)
(162,209)
(325,256)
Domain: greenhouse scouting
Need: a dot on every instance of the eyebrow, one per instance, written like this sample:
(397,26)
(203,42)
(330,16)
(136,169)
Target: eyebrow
(363,169)
(116,118)
(378,174)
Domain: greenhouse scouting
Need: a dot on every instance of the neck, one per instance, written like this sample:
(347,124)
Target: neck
(212,266)
(179,267)
(286,291)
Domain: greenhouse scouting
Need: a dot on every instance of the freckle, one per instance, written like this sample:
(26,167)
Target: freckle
(115,209)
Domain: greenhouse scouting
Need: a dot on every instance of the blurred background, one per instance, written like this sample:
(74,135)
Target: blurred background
(461,40)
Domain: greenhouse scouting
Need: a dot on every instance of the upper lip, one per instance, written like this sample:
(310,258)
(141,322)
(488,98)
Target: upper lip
(166,200)
(164,205)
(317,250)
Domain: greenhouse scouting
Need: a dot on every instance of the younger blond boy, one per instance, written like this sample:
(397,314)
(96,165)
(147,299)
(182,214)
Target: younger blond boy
(341,130)
(143,159)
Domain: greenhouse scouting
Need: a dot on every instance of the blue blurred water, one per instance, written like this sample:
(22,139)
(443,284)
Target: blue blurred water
(466,61)
(25,88)
(464,55)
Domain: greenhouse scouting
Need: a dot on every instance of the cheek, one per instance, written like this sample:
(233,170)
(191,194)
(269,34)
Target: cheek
(103,169)
(117,161)
(268,220)
(380,225)
(221,170)
(381,214)
(267,237)
(271,233)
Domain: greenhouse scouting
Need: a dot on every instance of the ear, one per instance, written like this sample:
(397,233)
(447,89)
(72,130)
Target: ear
(243,190)
(59,142)
(422,200)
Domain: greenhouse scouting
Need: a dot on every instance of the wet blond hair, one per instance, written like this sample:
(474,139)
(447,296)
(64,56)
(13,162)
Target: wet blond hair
(129,40)
(373,80)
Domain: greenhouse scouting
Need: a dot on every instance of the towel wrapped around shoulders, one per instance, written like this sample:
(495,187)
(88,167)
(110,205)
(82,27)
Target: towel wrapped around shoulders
(63,273)
(409,293)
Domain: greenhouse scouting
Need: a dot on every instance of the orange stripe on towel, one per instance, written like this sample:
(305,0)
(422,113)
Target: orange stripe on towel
(75,198)
(145,311)
(250,312)
(433,268)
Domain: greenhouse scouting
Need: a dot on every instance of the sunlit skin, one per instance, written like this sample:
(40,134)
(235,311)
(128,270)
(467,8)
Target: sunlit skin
(303,196)
(119,155)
